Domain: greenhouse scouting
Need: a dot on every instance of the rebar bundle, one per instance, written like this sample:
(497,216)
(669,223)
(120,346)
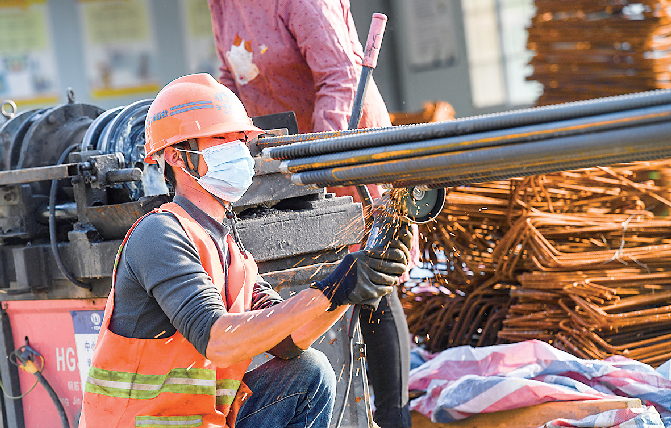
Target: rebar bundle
(578,259)
(594,48)
(519,143)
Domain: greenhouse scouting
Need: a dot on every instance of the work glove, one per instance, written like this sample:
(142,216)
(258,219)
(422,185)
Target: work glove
(363,277)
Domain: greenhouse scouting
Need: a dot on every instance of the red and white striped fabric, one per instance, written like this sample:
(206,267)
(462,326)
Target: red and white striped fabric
(464,381)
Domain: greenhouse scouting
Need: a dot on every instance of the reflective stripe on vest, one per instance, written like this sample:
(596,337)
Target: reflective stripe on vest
(145,387)
(226,390)
(168,421)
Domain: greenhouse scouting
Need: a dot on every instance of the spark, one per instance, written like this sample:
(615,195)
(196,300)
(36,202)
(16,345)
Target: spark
(298,262)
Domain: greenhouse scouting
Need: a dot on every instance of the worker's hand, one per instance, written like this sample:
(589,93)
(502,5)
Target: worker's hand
(365,276)
(359,277)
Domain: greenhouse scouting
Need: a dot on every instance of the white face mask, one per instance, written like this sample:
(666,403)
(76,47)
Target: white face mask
(230,168)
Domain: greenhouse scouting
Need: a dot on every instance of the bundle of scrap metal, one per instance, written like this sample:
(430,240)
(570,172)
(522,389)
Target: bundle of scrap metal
(578,259)
(460,308)
(594,48)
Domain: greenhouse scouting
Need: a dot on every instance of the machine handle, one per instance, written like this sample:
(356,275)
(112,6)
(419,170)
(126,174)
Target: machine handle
(124,175)
(373,44)
(374,41)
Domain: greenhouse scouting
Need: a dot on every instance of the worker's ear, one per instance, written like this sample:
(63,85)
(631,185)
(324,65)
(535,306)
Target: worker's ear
(173,157)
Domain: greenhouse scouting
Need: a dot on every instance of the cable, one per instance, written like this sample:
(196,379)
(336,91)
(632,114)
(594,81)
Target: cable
(18,397)
(57,402)
(52,225)
(24,359)
(350,334)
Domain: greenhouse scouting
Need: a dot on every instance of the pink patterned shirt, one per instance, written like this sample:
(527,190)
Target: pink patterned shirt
(299,55)
(302,56)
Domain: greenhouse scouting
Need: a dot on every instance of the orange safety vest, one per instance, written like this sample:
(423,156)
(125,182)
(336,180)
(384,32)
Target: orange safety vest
(166,382)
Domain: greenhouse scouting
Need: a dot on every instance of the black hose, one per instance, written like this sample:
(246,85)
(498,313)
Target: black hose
(52,225)
(495,138)
(57,402)
(23,358)
(469,125)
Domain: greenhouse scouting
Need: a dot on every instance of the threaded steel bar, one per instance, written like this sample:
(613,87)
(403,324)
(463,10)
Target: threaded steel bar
(587,150)
(482,140)
(312,146)
(266,143)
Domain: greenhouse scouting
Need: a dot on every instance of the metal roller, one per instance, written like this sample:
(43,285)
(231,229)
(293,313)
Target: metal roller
(125,134)
(93,133)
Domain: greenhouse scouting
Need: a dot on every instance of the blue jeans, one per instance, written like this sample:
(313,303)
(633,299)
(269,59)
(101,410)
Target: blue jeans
(290,393)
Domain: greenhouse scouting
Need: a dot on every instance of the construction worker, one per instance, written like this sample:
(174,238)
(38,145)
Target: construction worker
(187,310)
(305,56)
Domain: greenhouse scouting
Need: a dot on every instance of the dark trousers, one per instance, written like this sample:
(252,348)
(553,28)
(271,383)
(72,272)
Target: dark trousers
(385,332)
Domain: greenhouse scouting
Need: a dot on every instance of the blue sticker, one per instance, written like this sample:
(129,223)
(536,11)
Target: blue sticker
(87,322)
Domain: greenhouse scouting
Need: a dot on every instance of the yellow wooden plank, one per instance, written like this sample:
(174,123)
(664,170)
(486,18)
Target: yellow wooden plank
(532,416)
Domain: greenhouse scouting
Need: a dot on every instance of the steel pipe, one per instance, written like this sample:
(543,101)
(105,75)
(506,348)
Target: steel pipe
(587,150)
(421,132)
(523,134)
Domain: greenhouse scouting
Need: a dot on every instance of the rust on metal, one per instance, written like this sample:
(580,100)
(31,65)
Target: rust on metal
(579,259)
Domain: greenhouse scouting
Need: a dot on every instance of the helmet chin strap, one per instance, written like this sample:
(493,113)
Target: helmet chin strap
(230,214)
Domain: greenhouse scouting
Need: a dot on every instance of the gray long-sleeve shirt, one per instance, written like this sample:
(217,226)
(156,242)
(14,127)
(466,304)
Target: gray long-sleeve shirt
(161,286)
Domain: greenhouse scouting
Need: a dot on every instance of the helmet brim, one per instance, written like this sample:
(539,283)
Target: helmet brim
(219,129)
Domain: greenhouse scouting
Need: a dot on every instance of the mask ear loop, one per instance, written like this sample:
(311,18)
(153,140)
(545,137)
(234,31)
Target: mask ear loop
(193,147)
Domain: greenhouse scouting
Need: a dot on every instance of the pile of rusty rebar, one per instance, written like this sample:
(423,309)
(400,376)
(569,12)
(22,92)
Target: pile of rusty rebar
(586,49)
(580,259)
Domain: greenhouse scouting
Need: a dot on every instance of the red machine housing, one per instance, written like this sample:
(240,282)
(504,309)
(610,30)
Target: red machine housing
(63,333)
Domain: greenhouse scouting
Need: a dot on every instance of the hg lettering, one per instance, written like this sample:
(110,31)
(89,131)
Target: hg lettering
(65,357)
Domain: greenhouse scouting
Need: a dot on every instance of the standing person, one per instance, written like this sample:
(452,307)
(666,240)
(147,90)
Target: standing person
(187,310)
(305,56)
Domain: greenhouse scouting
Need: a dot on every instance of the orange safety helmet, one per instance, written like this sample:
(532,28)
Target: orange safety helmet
(193,106)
